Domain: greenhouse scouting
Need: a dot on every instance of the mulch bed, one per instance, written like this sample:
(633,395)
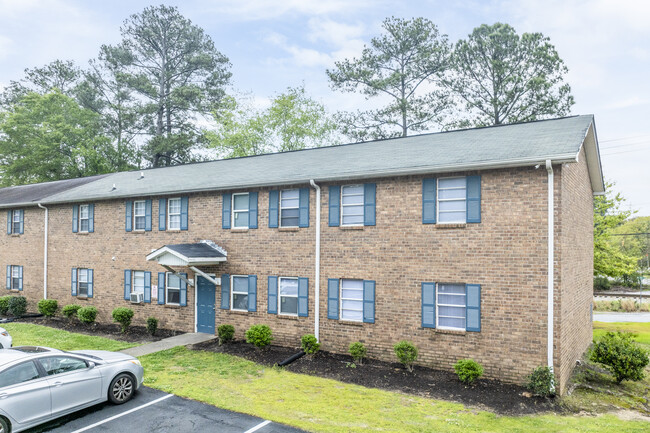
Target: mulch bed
(492,395)
(134,334)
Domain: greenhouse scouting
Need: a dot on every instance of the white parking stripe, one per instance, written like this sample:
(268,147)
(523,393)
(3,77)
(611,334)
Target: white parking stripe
(123,413)
(258,426)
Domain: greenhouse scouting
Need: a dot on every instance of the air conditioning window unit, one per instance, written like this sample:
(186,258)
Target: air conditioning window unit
(136,298)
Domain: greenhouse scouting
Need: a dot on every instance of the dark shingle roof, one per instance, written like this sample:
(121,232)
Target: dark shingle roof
(26,195)
(198,250)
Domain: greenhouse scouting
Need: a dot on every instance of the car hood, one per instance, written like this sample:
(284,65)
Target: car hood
(105,355)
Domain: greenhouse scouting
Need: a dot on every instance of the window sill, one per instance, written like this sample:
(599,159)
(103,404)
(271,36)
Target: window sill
(289,229)
(138,232)
(287,317)
(351,227)
(173,306)
(241,313)
(83,298)
(14,291)
(15,235)
(451,226)
(447,331)
(240,230)
(171,230)
(82,233)
(350,322)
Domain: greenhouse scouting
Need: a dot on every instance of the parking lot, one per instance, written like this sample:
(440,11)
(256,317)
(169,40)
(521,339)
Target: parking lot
(156,411)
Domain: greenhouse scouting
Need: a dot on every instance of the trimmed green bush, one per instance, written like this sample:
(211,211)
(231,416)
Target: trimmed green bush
(87,314)
(48,307)
(70,310)
(620,355)
(309,344)
(541,382)
(226,333)
(123,316)
(259,336)
(17,306)
(468,370)
(152,325)
(406,353)
(4,305)
(358,352)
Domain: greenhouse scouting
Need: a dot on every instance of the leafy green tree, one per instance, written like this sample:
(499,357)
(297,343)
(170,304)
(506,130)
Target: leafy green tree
(404,65)
(506,78)
(50,137)
(63,75)
(633,245)
(174,67)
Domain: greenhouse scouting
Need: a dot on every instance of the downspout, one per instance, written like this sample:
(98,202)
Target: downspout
(317,254)
(44,253)
(551,265)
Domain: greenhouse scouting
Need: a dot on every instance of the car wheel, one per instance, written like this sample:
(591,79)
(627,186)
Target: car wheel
(121,389)
(4,427)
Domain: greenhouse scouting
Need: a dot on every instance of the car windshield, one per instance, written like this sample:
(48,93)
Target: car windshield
(83,354)
(30,349)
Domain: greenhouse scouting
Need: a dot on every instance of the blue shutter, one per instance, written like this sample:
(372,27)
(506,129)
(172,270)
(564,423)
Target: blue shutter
(473,199)
(225,291)
(225,211)
(184,212)
(303,297)
(20,278)
(9,215)
(147,287)
(428,305)
(273,295)
(252,293)
(473,310)
(162,214)
(428,201)
(161,287)
(128,222)
(335,208)
(252,211)
(332,298)
(368,301)
(274,200)
(127,284)
(91,218)
(90,283)
(147,215)
(73,282)
(75,218)
(183,290)
(303,219)
(22,221)
(8,277)
(369,200)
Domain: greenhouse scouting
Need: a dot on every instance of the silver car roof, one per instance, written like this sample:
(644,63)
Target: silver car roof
(18,353)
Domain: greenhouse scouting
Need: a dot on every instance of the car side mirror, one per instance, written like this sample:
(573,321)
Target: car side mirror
(91,364)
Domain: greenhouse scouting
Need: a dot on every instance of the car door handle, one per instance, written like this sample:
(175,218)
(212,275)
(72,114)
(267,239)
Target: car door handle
(58,384)
(4,395)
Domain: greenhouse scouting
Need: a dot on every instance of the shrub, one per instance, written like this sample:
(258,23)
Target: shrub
(259,336)
(226,333)
(47,307)
(541,382)
(616,305)
(407,353)
(309,344)
(628,305)
(70,310)
(152,325)
(602,283)
(123,316)
(4,305)
(17,306)
(358,352)
(87,314)
(468,370)
(619,354)
(644,307)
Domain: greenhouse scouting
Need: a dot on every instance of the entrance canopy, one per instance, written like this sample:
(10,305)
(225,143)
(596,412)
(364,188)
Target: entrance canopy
(187,255)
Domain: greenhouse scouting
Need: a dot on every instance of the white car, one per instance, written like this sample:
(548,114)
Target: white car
(5,339)
(39,384)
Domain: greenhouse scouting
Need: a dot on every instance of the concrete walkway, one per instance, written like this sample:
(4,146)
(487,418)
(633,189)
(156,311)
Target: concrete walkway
(621,317)
(168,343)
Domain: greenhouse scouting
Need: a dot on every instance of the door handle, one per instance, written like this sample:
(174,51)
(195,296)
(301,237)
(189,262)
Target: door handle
(4,395)
(58,384)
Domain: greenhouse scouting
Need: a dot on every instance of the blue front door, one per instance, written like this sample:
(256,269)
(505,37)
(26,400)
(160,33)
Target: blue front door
(204,305)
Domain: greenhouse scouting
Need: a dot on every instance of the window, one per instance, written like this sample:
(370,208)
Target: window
(82,282)
(138,282)
(84,218)
(174,214)
(15,221)
(288,296)
(16,278)
(451,304)
(239,294)
(61,364)
(240,204)
(18,374)
(289,208)
(173,289)
(352,197)
(352,300)
(452,196)
(139,215)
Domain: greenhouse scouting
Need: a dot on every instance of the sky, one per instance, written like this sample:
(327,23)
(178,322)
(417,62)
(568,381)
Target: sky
(273,45)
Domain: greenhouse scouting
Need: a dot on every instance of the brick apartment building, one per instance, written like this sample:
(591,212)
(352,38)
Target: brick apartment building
(442,239)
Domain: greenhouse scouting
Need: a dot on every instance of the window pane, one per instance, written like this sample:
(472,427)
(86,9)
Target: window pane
(456,182)
(452,193)
(18,374)
(351,305)
(289,305)
(289,217)
(83,289)
(83,275)
(451,288)
(290,222)
(173,296)
(352,199)
(83,211)
(451,311)
(352,210)
(15,271)
(288,287)
(138,282)
(352,284)
(83,226)
(139,208)
(240,202)
(16,216)
(61,364)
(352,294)
(452,322)
(289,198)
(454,205)
(173,281)
(241,219)
(451,217)
(16,228)
(174,206)
(240,284)
(140,222)
(288,213)
(175,222)
(15,283)
(451,299)
(357,219)
(239,302)
(352,315)
(352,189)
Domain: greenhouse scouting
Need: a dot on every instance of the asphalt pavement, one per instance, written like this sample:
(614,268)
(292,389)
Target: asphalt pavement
(621,317)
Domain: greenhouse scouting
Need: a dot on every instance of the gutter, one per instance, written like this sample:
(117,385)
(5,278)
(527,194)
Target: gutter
(317,264)
(551,264)
(45,251)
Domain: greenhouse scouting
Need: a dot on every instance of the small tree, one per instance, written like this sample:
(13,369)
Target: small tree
(407,354)
(123,316)
(47,307)
(541,382)
(620,355)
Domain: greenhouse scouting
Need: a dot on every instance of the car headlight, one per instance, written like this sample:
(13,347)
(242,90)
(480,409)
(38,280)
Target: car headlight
(136,362)
(4,334)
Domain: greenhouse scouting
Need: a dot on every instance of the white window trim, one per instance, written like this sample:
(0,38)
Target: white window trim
(438,200)
(79,282)
(232,207)
(232,292)
(87,219)
(451,328)
(349,299)
(133,281)
(280,297)
(288,208)
(15,267)
(342,206)
(143,215)
(15,219)
(167,274)
(169,214)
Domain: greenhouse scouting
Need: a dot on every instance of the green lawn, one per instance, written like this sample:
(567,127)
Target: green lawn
(27,334)
(642,330)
